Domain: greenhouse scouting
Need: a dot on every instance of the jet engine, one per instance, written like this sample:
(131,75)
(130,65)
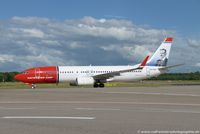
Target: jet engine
(85,81)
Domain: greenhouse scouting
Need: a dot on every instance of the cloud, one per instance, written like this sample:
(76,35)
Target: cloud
(194,43)
(6,58)
(197,64)
(32,33)
(33,41)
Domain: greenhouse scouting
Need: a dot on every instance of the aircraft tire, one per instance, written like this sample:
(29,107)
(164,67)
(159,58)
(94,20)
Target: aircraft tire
(101,85)
(96,85)
(33,86)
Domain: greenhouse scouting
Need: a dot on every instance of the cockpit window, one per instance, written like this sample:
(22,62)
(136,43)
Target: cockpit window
(24,72)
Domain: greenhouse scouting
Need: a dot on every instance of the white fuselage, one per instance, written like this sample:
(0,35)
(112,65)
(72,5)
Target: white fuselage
(71,73)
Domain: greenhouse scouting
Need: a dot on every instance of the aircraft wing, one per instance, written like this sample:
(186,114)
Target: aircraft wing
(117,73)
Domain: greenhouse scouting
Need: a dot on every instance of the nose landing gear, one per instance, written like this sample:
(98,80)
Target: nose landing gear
(33,86)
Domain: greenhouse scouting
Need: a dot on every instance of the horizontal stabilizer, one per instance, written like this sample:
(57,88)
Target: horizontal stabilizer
(168,67)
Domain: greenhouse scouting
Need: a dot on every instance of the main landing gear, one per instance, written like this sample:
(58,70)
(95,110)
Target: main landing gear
(98,85)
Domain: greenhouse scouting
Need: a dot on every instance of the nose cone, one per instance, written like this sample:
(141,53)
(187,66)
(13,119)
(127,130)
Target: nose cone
(18,77)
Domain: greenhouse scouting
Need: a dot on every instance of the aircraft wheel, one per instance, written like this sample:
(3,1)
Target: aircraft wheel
(96,85)
(33,86)
(101,85)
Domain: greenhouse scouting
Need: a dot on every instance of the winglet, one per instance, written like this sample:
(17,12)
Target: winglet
(144,62)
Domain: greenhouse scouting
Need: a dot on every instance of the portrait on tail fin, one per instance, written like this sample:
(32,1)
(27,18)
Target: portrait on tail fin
(163,58)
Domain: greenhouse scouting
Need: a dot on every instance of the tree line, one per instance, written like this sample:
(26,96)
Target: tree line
(178,76)
(9,76)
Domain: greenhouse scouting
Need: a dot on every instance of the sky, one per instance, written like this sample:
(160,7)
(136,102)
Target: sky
(106,32)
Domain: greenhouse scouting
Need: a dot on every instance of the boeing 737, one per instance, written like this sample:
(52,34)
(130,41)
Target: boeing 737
(98,75)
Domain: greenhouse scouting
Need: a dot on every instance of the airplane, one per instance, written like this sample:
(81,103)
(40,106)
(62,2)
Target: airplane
(99,75)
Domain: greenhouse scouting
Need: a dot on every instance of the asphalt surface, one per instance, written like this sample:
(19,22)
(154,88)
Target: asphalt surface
(100,110)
